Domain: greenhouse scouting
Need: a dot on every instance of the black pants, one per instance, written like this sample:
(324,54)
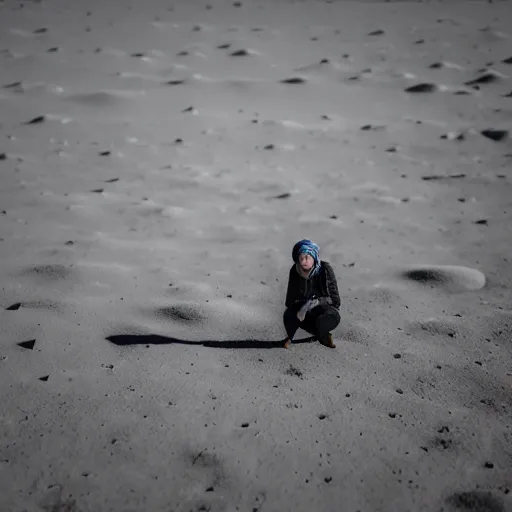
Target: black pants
(318,321)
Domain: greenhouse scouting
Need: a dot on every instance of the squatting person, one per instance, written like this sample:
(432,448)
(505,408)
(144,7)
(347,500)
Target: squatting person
(312,297)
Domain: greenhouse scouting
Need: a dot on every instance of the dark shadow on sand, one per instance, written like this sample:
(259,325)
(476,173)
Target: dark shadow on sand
(156,339)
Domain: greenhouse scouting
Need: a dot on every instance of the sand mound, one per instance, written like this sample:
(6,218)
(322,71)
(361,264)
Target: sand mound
(180,313)
(435,327)
(451,278)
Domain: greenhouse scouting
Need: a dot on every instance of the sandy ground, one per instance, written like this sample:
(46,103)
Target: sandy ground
(158,161)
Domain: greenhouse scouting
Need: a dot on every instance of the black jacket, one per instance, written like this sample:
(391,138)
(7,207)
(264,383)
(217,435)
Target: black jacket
(323,286)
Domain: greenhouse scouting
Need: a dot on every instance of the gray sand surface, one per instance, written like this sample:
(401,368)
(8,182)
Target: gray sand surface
(159,160)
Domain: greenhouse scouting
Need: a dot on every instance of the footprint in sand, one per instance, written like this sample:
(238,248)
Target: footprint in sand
(474,501)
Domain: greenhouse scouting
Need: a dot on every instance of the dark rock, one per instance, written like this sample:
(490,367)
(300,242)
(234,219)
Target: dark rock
(294,371)
(433,177)
(29,345)
(37,120)
(422,88)
(239,53)
(486,78)
(495,135)
(293,80)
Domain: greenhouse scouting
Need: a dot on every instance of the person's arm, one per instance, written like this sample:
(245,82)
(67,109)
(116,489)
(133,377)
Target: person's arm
(292,292)
(289,291)
(332,288)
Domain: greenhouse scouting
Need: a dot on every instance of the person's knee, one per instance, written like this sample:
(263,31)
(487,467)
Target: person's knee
(336,318)
(332,318)
(288,314)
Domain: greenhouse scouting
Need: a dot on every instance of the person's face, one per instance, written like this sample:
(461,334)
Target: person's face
(306,261)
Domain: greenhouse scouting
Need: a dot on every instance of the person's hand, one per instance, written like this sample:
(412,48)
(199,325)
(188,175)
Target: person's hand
(313,303)
(310,304)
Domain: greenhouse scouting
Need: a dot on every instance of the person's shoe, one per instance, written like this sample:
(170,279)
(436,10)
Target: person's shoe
(329,343)
(287,343)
